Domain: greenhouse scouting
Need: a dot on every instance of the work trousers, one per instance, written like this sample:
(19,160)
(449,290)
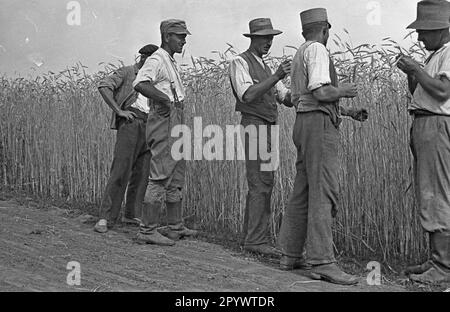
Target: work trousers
(129,168)
(307,221)
(430,145)
(256,229)
(167,174)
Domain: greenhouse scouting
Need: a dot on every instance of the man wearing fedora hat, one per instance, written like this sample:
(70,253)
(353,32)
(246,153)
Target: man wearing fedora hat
(160,87)
(430,136)
(257,91)
(129,169)
(305,238)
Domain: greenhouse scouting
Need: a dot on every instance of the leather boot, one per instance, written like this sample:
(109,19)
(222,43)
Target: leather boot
(440,260)
(421,268)
(176,229)
(333,274)
(148,233)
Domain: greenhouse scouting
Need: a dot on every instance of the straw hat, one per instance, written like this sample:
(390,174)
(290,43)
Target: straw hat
(431,15)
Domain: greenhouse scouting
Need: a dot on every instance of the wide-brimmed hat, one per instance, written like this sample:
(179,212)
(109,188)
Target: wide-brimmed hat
(313,16)
(432,15)
(262,27)
(174,26)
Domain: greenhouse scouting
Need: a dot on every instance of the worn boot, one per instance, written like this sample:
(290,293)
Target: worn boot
(421,268)
(148,233)
(440,261)
(176,229)
(333,274)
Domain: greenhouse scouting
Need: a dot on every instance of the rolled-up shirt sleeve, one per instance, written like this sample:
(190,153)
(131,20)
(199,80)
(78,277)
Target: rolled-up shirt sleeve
(240,76)
(148,72)
(317,61)
(113,81)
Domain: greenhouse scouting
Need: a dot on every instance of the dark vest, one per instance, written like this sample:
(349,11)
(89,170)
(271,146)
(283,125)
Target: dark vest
(333,108)
(264,107)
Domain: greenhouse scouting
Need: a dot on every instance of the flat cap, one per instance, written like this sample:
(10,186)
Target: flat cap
(174,26)
(149,49)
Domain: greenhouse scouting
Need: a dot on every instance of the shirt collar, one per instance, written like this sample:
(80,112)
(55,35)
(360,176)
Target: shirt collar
(167,54)
(442,48)
(261,60)
(432,55)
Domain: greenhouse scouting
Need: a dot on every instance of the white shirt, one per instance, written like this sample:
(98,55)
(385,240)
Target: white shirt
(317,61)
(438,66)
(160,69)
(241,79)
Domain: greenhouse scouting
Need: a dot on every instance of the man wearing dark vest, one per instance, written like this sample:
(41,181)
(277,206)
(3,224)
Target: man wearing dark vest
(257,91)
(130,166)
(307,222)
(430,136)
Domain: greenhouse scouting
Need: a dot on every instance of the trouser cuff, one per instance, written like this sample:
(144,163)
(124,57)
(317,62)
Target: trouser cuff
(146,230)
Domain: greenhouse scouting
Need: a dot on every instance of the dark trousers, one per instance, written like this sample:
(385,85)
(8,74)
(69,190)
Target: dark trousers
(130,168)
(307,220)
(260,185)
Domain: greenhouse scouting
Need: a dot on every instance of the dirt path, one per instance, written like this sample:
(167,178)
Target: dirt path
(36,245)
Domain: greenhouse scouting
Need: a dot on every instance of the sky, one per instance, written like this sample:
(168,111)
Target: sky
(37,36)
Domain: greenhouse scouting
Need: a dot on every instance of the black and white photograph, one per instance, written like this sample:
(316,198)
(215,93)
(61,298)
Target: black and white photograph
(225,152)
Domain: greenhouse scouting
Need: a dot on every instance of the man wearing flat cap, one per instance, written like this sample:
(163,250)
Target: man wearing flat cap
(257,91)
(430,136)
(160,87)
(305,238)
(129,169)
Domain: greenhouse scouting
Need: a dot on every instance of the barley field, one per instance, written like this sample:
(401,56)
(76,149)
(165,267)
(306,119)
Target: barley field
(55,142)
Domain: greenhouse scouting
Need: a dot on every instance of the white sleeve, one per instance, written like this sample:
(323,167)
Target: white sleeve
(148,72)
(318,66)
(240,76)
(444,69)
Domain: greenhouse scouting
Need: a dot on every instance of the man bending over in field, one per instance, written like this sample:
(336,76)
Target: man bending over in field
(131,155)
(430,136)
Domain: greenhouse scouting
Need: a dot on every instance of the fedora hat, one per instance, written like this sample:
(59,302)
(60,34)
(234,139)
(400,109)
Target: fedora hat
(432,15)
(312,16)
(262,27)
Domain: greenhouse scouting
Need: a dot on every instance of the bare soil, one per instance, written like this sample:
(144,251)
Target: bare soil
(36,244)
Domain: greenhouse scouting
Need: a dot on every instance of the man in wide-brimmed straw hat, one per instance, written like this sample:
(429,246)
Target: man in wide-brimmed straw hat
(430,136)
(305,238)
(257,91)
(161,88)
